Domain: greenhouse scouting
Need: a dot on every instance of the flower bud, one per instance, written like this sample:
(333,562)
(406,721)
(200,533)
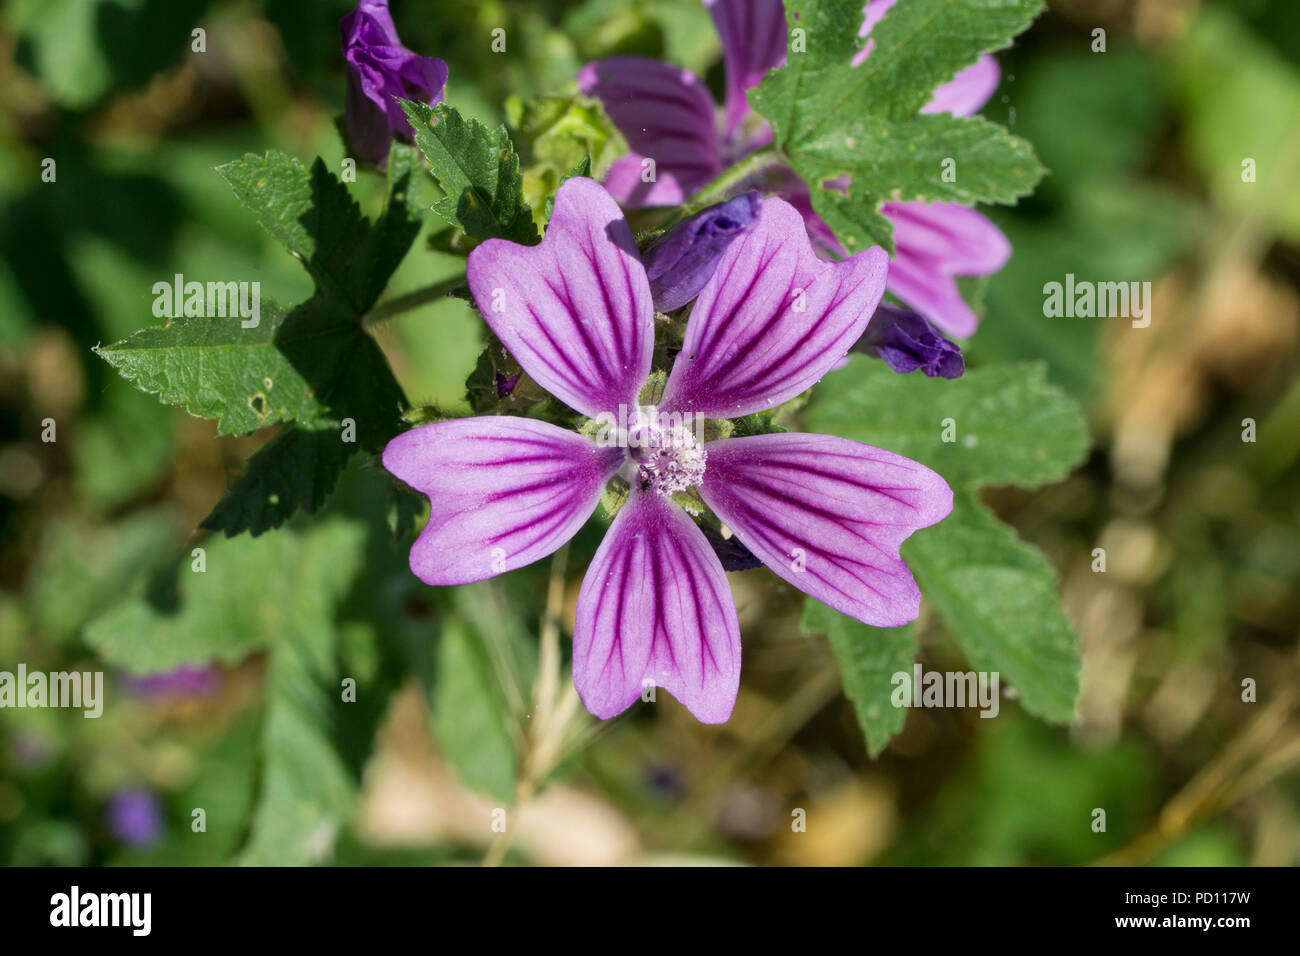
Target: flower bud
(684,259)
(380,70)
(906,342)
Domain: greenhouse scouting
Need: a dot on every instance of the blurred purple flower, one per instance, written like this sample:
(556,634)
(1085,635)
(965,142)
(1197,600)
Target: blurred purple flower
(666,113)
(184,681)
(32,749)
(380,70)
(684,259)
(134,817)
(906,342)
(576,312)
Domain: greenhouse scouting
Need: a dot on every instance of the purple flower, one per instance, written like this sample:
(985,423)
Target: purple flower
(32,749)
(906,342)
(684,259)
(380,70)
(666,113)
(184,681)
(935,242)
(134,817)
(824,513)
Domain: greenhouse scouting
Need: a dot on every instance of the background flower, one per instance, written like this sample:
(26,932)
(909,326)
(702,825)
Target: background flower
(380,71)
(667,116)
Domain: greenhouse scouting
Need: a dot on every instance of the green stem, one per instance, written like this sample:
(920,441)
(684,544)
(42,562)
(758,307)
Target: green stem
(413,300)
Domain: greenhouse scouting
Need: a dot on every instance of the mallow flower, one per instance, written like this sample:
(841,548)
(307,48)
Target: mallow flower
(666,114)
(380,71)
(826,514)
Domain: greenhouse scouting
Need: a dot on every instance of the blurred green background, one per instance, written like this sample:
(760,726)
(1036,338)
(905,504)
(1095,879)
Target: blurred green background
(1145,143)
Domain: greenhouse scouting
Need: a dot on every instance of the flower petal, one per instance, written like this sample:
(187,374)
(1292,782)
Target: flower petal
(666,114)
(503,491)
(574,311)
(772,320)
(966,92)
(934,242)
(963,240)
(655,606)
(753,42)
(933,293)
(828,515)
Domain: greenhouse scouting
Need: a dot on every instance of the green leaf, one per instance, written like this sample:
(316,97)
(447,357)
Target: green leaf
(307,791)
(869,657)
(298,468)
(468,714)
(559,137)
(999,597)
(312,365)
(249,593)
(318,221)
(996,594)
(478,171)
(64,590)
(888,160)
(918,46)
(1008,424)
(831,119)
(213,368)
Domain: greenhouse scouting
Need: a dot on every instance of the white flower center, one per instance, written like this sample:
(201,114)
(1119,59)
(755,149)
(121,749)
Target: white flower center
(665,453)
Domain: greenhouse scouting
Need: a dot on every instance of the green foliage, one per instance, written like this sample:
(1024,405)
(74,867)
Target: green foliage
(996,594)
(298,468)
(558,137)
(1094,216)
(250,592)
(469,715)
(1241,102)
(312,366)
(1009,426)
(83,49)
(869,657)
(478,171)
(831,119)
(307,790)
(1023,797)
(63,593)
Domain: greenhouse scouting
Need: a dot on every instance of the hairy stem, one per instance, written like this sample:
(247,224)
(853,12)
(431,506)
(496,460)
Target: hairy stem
(413,300)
